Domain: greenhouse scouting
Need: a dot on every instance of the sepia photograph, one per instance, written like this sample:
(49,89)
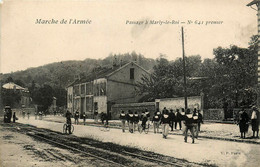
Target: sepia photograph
(134,83)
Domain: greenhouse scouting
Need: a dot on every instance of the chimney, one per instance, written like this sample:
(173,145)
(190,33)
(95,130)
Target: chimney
(115,61)
(121,63)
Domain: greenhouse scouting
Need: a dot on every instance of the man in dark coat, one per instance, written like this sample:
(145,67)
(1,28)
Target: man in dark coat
(102,117)
(165,121)
(76,117)
(14,117)
(243,123)
(195,123)
(156,121)
(178,118)
(84,116)
(136,120)
(122,117)
(188,121)
(172,118)
(130,120)
(200,121)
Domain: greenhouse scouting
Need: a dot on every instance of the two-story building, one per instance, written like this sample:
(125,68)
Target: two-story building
(100,90)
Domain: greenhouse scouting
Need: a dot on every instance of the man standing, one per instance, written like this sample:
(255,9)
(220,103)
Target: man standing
(130,120)
(172,119)
(122,117)
(40,115)
(255,121)
(195,123)
(102,117)
(28,114)
(200,121)
(165,121)
(177,118)
(156,122)
(76,116)
(136,120)
(243,123)
(68,120)
(188,121)
(84,116)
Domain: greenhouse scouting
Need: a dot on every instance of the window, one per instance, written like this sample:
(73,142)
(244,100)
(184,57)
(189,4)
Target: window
(83,89)
(132,73)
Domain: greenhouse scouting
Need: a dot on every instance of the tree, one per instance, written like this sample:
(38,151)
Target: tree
(235,76)
(44,96)
(10,97)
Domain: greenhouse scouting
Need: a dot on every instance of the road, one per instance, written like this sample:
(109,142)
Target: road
(23,145)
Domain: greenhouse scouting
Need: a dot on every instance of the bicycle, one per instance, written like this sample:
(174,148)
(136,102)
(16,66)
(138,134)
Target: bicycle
(105,127)
(66,128)
(146,129)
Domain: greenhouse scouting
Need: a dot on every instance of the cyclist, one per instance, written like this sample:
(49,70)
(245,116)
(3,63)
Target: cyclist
(68,120)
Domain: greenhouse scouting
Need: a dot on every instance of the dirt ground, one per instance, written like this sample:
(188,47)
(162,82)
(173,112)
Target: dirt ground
(19,150)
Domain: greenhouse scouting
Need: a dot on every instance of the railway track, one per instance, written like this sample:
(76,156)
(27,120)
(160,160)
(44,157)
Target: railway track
(111,156)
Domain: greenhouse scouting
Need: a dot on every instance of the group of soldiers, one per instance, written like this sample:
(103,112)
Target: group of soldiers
(166,119)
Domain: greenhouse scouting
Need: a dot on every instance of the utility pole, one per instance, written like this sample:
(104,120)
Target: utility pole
(257,3)
(184,71)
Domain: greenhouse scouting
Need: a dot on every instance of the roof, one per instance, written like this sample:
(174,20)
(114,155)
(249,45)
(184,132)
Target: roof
(102,73)
(253,2)
(12,85)
(98,73)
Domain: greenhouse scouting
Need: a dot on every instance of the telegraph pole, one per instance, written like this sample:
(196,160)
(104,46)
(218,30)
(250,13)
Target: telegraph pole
(184,71)
(257,3)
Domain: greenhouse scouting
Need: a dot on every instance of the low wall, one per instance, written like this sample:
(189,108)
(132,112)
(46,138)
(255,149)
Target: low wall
(178,103)
(134,107)
(213,114)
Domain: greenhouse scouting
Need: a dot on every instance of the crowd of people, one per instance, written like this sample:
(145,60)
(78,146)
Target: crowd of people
(168,119)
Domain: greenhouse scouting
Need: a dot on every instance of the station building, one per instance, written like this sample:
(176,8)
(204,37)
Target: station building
(104,88)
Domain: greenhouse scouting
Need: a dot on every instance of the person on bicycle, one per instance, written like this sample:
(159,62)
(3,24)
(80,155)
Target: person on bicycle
(156,121)
(68,120)
(165,121)
(130,120)
(76,116)
(122,117)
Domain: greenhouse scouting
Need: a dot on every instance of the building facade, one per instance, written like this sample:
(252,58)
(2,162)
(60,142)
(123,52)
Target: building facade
(100,90)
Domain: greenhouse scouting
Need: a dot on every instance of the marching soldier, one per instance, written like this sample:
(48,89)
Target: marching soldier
(122,117)
(188,125)
(165,121)
(156,122)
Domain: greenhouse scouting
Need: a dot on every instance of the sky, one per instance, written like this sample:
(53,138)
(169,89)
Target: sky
(25,44)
